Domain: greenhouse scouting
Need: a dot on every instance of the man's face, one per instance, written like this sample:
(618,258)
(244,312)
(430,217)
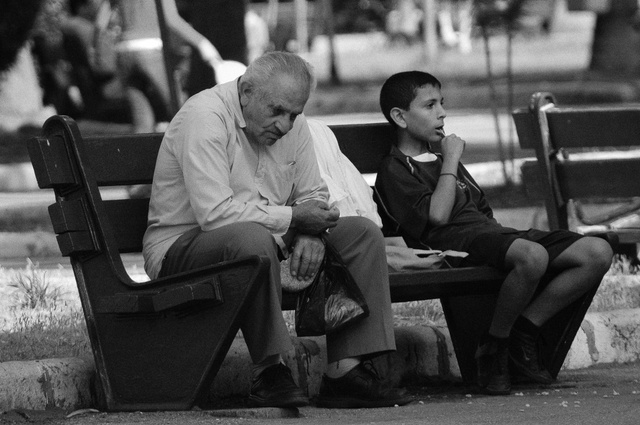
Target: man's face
(271,110)
(426,114)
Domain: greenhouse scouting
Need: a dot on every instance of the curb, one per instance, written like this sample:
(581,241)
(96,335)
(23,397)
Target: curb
(424,355)
(46,384)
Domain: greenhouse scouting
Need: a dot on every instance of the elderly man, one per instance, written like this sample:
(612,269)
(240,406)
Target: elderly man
(237,175)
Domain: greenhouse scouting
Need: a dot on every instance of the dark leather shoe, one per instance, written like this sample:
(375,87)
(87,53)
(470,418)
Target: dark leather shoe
(360,387)
(275,387)
(526,364)
(492,361)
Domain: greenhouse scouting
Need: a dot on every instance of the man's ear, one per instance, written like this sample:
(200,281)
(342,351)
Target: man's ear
(244,91)
(397,117)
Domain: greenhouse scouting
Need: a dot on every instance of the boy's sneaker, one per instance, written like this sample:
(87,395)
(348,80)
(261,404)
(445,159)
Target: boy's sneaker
(492,360)
(525,358)
(275,387)
(360,387)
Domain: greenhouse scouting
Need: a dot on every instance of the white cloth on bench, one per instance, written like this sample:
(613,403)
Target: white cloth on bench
(347,188)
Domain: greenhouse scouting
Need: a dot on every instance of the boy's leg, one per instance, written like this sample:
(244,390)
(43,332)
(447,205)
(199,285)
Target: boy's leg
(576,269)
(579,267)
(526,262)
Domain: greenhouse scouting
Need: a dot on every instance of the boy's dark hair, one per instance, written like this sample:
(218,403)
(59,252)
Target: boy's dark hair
(400,89)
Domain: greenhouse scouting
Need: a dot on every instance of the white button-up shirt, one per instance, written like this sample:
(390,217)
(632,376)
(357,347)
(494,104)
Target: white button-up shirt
(209,175)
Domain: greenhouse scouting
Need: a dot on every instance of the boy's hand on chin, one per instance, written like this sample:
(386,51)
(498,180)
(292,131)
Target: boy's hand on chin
(452,146)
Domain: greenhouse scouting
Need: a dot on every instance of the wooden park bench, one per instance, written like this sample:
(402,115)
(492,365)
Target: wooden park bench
(585,155)
(159,344)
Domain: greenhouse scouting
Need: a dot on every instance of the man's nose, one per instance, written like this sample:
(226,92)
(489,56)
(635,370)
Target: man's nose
(284,124)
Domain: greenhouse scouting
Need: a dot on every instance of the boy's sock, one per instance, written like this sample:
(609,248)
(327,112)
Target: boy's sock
(487,337)
(341,367)
(258,368)
(526,326)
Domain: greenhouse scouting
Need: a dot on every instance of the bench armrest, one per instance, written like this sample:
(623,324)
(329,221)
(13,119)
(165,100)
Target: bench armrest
(183,290)
(205,291)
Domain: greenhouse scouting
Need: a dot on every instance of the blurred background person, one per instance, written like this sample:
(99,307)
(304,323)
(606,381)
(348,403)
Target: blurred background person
(403,22)
(88,40)
(141,65)
(257,33)
(455,22)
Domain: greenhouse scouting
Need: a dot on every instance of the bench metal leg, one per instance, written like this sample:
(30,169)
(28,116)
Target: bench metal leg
(559,332)
(470,315)
(167,360)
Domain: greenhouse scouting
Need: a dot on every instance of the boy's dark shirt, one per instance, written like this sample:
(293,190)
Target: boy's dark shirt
(405,186)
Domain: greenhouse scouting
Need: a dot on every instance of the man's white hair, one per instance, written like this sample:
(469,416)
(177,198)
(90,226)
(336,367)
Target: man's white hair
(270,64)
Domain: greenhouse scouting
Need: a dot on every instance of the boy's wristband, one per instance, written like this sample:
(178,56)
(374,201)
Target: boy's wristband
(449,174)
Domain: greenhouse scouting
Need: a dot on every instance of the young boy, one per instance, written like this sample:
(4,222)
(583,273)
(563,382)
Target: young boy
(438,204)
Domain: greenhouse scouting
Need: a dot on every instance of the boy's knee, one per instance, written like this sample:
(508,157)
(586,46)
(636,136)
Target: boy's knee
(531,259)
(599,254)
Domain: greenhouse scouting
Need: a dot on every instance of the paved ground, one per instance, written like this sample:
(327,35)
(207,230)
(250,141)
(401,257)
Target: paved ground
(599,395)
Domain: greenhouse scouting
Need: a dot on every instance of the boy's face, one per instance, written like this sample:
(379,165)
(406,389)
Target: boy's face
(425,117)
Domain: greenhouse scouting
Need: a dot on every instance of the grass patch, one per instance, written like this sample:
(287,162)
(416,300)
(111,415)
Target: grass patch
(45,333)
(33,289)
(42,322)
(620,287)
(425,312)
(45,321)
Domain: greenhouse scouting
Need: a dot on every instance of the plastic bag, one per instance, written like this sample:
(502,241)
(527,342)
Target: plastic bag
(332,301)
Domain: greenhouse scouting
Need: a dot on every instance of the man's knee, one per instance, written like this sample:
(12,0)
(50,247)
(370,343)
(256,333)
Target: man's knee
(251,239)
(360,227)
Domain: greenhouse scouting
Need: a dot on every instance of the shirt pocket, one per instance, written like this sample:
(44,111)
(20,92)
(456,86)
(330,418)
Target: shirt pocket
(277,184)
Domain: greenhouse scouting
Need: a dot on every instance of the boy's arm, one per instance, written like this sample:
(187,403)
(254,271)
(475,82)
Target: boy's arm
(444,195)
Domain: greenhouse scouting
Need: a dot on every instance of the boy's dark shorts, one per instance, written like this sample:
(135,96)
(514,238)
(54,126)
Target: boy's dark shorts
(491,248)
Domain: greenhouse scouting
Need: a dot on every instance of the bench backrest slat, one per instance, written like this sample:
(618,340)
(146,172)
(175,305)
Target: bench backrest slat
(130,159)
(584,127)
(123,159)
(130,219)
(365,144)
(594,127)
(607,179)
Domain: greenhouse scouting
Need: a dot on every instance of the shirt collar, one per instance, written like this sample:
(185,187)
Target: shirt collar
(231,90)
(425,157)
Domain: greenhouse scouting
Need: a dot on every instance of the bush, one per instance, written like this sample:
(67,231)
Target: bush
(34,289)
